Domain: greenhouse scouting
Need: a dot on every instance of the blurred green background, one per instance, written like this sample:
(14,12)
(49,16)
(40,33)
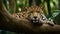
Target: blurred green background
(52,9)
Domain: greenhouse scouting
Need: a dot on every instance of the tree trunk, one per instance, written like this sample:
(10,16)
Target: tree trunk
(59,4)
(12,5)
(49,8)
(9,22)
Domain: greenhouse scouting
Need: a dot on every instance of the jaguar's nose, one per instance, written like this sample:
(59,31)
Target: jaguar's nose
(35,17)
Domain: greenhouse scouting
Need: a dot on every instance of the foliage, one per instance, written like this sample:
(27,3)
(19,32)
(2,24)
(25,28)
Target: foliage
(20,3)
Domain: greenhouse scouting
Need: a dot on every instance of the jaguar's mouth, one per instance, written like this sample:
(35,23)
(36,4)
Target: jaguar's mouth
(35,21)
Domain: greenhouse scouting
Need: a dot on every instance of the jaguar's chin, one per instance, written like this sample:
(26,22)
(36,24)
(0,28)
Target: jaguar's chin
(35,21)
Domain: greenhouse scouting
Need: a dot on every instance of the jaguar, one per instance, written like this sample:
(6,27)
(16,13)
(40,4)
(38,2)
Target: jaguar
(34,14)
(37,16)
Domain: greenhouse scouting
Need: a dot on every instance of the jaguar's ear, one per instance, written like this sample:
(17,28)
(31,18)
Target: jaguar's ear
(26,7)
(42,7)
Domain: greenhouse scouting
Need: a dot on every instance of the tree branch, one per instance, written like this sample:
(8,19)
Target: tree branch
(12,22)
(9,22)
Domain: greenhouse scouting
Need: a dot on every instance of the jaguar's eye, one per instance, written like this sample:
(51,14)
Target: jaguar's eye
(31,12)
(38,11)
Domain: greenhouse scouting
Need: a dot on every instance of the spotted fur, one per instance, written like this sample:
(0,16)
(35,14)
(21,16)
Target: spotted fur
(34,14)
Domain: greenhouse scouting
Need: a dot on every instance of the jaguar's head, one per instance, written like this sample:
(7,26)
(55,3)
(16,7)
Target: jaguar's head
(35,13)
